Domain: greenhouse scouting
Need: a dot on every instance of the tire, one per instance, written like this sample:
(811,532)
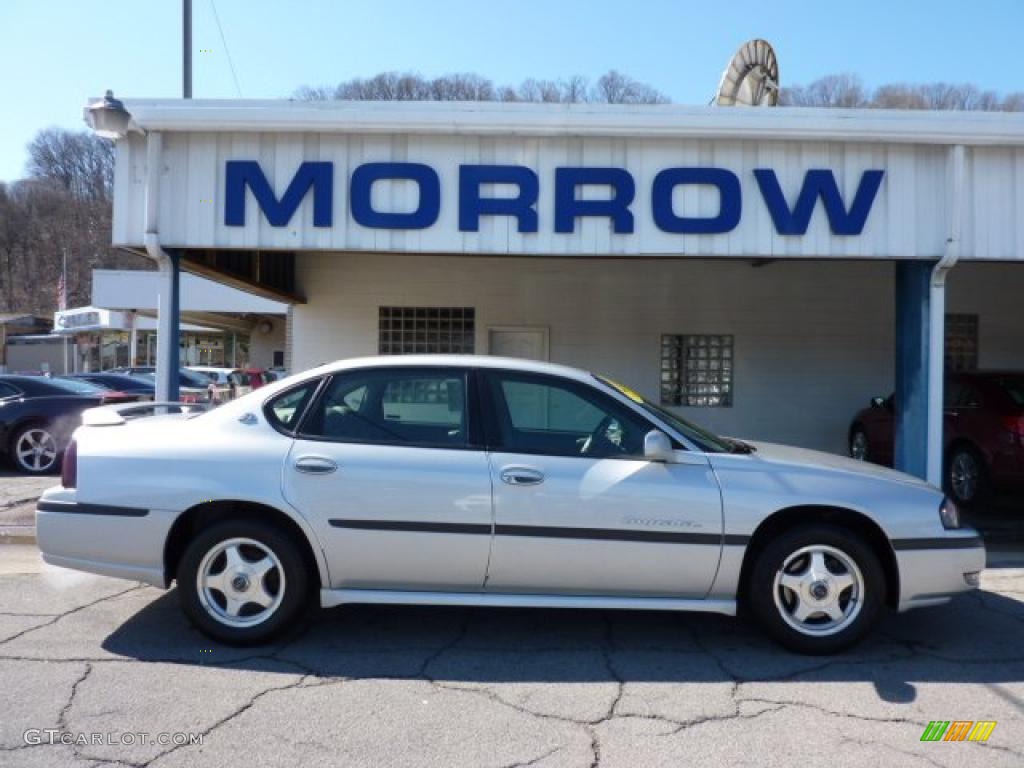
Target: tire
(35,450)
(966,476)
(856,607)
(859,445)
(282,584)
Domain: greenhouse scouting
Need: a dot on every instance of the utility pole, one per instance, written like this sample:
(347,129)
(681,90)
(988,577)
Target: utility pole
(186,49)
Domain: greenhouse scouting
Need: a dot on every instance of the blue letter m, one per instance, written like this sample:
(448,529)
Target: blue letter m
(247,173)
(819,183)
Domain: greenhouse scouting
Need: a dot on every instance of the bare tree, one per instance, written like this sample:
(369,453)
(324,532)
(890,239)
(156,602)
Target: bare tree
(848,91)
(612,88)
(82,163)
(843,90)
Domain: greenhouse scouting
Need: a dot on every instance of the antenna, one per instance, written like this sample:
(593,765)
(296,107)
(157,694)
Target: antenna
(752,77)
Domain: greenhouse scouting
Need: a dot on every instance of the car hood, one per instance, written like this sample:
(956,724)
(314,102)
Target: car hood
(819,460)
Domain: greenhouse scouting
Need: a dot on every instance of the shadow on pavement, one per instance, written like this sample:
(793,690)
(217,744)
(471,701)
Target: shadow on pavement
(975,639)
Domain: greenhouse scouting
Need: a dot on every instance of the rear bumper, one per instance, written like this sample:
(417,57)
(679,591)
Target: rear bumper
(122,542)
(934,570)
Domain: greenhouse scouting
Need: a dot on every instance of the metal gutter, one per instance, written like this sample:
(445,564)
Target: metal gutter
(579,120)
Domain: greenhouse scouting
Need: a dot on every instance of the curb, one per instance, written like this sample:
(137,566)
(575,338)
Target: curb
(17,534)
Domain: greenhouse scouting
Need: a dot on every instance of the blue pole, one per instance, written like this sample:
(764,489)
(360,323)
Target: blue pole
(913,281)
(174,341)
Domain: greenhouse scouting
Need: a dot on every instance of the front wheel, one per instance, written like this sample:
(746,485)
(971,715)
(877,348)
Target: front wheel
(965,476)
(817,589)
(242,582)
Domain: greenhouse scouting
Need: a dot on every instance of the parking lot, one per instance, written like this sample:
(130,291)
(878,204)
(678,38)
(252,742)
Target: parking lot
(388,686)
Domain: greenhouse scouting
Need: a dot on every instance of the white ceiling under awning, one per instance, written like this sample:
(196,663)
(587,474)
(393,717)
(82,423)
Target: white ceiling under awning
(130,289)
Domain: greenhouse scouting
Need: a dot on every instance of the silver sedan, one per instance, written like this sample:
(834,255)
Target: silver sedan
(467,480)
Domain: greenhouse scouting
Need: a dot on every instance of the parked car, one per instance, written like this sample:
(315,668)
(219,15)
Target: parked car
(469,480)
(228,383)
(983,434)
(117,382)
(38,415)
(258,377)
(192,387)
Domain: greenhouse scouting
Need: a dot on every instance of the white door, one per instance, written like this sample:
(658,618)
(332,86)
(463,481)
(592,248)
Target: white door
(577,510)
(530,343)
(386,471)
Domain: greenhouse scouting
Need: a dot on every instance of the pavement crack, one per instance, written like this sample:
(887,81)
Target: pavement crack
(57,617)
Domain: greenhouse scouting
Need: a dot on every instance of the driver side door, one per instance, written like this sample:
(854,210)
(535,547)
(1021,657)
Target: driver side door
(578,510)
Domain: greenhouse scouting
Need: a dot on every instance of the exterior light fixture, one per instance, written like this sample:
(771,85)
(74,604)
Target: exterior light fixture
(108,117)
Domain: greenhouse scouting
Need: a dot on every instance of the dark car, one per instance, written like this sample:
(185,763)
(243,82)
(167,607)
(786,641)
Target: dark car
(192,387)
(983,434)
(38,415)
(117,382)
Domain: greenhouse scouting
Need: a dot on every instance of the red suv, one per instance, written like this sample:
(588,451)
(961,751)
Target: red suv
(983,433)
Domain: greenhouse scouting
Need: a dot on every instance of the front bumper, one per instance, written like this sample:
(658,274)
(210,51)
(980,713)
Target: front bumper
(120,542)
(934,570)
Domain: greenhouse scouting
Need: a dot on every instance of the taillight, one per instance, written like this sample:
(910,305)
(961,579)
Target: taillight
(69,468)
(1015,426)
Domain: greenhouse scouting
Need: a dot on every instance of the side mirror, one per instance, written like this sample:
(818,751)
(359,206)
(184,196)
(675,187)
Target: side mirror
(877,402)
(658,446)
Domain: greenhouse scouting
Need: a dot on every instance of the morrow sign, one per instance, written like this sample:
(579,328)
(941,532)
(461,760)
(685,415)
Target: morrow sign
(477,183)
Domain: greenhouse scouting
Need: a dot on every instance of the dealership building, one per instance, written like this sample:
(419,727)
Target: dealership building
(763,271)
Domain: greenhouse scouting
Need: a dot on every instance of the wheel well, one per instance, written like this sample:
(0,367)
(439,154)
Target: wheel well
(788,518)
(202,516)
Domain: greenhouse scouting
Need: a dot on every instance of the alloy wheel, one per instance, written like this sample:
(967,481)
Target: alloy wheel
(240,582)
(964,475)
(819,590)
(36,449)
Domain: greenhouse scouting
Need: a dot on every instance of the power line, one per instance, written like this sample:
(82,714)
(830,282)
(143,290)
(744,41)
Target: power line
(224,42)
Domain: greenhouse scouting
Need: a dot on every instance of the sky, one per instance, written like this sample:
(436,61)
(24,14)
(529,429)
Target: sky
(55,54)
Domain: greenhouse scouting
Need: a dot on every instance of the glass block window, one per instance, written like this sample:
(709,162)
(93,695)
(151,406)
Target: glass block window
(696,370)
(961,343)
(427,330)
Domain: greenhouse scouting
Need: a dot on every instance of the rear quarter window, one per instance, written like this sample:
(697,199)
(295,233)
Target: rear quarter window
(284,410)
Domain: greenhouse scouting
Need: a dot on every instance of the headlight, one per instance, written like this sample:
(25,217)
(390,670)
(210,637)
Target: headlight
(949,514)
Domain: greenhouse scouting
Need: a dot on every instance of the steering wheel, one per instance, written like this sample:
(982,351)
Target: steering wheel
(600,436)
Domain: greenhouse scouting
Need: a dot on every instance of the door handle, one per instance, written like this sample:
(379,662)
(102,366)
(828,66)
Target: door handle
(521,476)
(315,465)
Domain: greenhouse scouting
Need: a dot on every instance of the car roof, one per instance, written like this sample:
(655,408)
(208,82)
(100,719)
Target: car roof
(457,361)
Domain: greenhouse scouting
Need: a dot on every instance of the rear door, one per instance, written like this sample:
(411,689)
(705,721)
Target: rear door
(388,468)
(577,508)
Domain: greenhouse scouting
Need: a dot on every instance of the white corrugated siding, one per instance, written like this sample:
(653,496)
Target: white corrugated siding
(909,219)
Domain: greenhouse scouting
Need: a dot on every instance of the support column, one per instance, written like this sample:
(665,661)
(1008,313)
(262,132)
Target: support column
(168,329)
(913,297)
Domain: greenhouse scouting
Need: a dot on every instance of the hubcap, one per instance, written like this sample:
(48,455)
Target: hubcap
(819,590)
(36,450)
(964,476)
(240,582)
(859,446)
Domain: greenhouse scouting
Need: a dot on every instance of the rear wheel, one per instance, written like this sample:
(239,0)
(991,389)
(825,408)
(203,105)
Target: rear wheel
(817,589)
(243,582)
(34,449)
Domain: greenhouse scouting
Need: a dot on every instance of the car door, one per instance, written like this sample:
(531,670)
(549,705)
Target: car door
(387,467)
(577,508)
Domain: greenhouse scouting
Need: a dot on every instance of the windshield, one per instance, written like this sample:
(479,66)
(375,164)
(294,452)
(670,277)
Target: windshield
(707,441)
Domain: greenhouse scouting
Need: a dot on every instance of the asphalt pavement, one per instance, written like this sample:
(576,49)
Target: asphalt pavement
(113,664)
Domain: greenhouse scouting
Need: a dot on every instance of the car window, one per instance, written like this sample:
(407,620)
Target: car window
(285,410)
(416,407)
(1014,387)
(547,415)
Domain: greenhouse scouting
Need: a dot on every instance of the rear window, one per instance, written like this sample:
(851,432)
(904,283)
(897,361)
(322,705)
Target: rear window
(75,386)
(1014,387)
